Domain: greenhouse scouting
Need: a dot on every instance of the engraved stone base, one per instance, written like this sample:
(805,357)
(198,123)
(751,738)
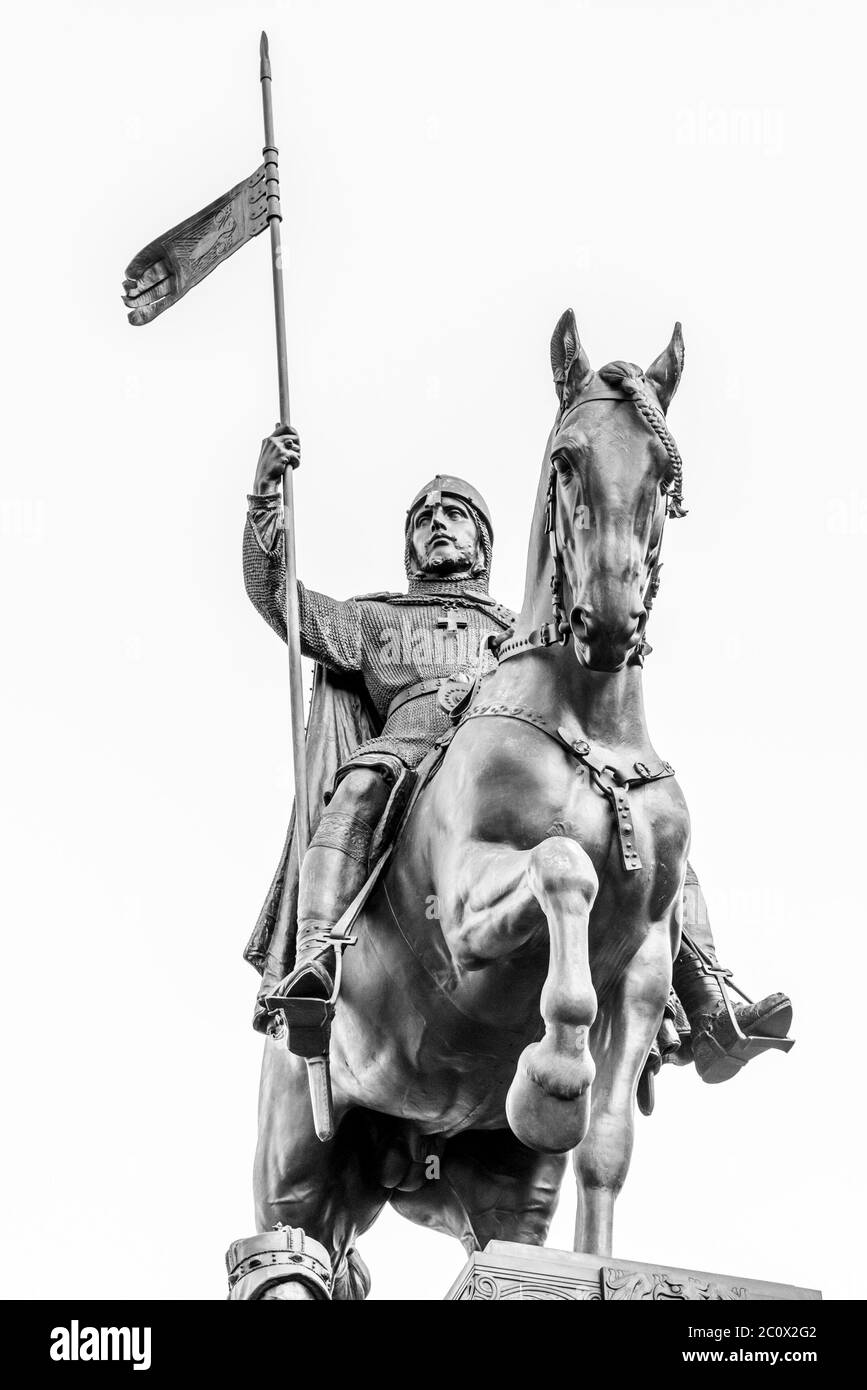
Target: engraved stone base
(526,1273)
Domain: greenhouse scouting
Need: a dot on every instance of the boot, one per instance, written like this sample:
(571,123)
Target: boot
(334,870)
(724,1035)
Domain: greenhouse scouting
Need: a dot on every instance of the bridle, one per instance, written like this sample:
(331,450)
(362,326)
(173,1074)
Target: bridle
(623,384)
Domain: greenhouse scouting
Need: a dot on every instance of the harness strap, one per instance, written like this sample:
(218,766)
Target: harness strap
(413,692)
(455,693)
(538,639)
(593,394)
(610,780)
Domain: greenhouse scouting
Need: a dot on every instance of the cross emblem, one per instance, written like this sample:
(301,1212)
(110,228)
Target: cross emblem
(451,623)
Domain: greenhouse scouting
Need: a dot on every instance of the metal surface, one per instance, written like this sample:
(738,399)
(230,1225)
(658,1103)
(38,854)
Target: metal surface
(174,263)
(511,892)
(506,895)
(451,486)
(293,622)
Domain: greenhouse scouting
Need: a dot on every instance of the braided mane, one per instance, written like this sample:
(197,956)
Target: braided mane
(631,381)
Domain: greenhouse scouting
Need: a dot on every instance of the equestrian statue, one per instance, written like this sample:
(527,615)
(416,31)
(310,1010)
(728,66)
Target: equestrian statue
(495,939)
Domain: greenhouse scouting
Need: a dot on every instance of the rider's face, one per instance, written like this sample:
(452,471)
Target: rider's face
(444,537)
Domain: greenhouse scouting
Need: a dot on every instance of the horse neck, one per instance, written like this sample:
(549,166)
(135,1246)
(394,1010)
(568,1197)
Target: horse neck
(606,706)
(536,607)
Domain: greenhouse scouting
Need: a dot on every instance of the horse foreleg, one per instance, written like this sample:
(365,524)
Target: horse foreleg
(548,1103)
(628,1022)
(503,897)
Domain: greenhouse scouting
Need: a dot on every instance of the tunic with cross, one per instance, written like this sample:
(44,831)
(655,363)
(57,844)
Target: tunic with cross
(394,641)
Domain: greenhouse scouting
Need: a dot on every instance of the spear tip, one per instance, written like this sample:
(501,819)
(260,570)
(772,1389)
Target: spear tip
(264,59)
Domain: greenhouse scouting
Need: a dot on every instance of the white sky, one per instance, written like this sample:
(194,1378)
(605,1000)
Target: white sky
(453,177)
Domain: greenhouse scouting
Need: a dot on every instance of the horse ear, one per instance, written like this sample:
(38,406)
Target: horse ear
(569,361)
(665,372)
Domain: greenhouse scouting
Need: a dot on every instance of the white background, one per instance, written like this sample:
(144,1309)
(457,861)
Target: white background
(453,177)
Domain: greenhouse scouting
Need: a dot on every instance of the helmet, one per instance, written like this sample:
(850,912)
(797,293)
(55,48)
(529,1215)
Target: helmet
(453,487)
(433,491)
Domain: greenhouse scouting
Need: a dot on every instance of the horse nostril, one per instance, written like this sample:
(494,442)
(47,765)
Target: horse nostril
(579,624)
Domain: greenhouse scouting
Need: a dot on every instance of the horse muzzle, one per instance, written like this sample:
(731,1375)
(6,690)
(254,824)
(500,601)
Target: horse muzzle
(605,644)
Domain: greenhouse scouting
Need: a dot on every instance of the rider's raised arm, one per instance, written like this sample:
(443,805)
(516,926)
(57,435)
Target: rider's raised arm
(330,629)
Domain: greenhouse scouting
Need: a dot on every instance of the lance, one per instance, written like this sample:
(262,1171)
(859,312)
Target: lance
(318,1075)
(293,622)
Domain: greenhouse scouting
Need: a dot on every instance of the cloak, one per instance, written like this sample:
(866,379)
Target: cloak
(341,717)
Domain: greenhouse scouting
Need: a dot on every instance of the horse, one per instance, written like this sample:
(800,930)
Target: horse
(512,964)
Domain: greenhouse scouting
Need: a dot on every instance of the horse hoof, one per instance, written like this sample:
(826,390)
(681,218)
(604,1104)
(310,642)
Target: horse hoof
(548,1104)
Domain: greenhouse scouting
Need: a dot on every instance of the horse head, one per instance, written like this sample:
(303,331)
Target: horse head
(612,473)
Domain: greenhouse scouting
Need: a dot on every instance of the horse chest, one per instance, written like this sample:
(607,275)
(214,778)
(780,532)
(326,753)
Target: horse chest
(657,830)
(584,815)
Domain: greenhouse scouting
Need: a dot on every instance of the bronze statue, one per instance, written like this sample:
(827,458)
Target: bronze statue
(496,837)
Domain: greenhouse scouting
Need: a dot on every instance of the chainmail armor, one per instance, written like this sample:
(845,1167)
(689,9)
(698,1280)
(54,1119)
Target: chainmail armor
(392,641)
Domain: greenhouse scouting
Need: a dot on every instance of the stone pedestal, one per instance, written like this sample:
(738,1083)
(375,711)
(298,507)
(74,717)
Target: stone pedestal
(527,1273)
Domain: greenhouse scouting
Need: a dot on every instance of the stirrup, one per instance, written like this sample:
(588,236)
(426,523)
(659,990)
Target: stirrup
(307,1026)
(307,1018)
(313,978)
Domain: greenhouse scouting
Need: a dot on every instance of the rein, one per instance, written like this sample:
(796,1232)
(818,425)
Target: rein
(624,386)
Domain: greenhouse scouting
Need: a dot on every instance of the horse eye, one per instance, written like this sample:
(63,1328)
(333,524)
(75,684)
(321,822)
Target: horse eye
(563,462)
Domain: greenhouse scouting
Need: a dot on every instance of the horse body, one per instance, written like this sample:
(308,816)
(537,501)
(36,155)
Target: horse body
(510,973)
